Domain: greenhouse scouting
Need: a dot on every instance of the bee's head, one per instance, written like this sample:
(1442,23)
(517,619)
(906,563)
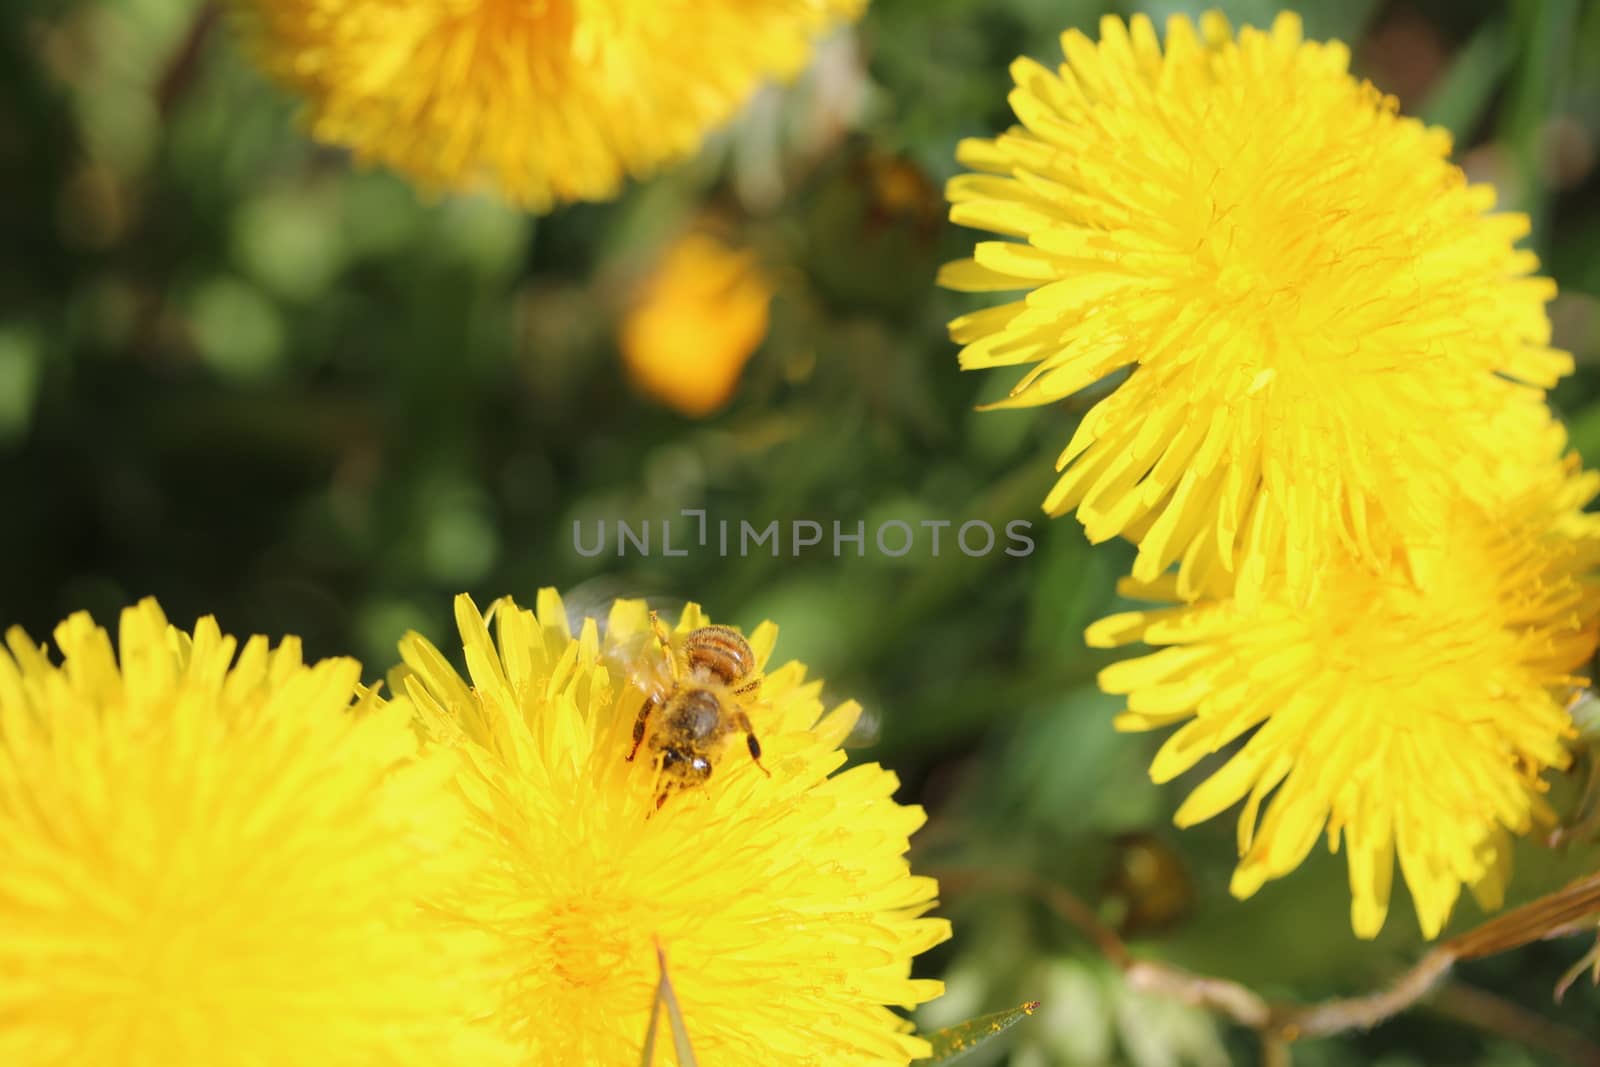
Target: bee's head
(686,766)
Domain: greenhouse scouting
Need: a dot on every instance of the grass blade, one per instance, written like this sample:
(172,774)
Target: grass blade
(665,997)
(648,1057)
(680,1034)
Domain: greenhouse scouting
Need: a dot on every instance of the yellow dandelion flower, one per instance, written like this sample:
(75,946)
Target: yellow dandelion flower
(699,318)
(215,861)
(1413,714)
(543,100)
(1305,293)
(785,904)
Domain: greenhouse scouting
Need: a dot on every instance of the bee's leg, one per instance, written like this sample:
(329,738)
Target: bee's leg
(639,725)
(750,689)
(742,721)
(664,636)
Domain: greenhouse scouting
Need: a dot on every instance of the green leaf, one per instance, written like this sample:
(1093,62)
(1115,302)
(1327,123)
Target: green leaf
(1459,100)
(1545,33)
(954,1042)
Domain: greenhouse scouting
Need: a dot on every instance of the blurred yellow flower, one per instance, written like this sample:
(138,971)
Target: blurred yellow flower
(542,100)
(700,316)
(1306,296)
(785,904)
(218,862)
(1412,712)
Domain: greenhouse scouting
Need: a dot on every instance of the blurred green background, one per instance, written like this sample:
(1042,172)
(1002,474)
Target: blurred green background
(243,375)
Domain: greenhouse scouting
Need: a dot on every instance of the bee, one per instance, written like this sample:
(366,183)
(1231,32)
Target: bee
(1149,884)
(684,724)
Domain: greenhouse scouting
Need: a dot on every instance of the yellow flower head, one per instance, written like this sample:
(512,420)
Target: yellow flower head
(1307,292)
(1412,713)
(218,862)
(699,318)
(784,904)
(544,100)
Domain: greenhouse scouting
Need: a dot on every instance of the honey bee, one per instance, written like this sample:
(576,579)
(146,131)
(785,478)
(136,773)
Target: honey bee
(1149,885)
(685,723)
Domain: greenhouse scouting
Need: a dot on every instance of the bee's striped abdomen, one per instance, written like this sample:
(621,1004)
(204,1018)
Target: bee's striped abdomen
(720,651)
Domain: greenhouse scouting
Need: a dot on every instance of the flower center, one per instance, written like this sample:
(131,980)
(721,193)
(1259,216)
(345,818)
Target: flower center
(589,939)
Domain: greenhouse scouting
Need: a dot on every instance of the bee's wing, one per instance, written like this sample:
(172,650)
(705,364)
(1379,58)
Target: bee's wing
(639,661)
(595,597)
(1585,710)
(867,730)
